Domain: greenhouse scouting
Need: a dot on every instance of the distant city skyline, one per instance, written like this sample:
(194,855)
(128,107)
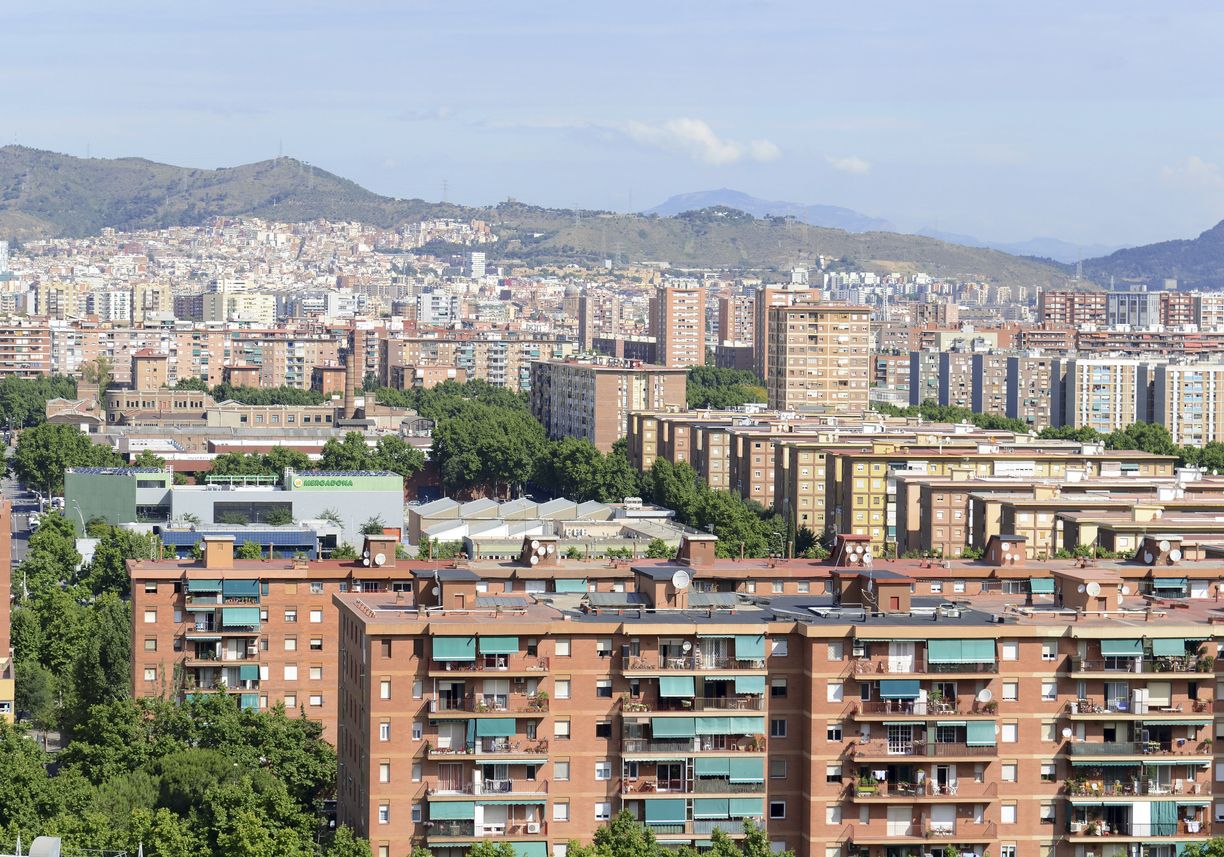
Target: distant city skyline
(1097,124)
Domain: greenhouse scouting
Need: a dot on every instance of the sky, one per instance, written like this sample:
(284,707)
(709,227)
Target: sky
(1093,122)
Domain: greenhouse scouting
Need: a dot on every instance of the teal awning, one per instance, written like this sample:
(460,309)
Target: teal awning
(951,723)
(1197,721)
(244,617)
(677,685)
(904,722)
(512,802)
(1041,585)
(1169,583)
(530,849)
(495,727)
(248,672)
(903,688)
(750,684)
(499,645)
(195,586)
(458,810)
(730,725)
(711,807)
(571,585)
(1168,647)
(1092,763)
(1121,648)
(706,766)
(750,647)
(741,807)
(454,648)
(666,811)
(672,727)
(747,769)
(980,733)
(240,588)
(960,651)
(249,701)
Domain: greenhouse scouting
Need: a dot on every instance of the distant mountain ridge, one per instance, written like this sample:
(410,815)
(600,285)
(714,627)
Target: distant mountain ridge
(1066,252)
(1196,263)
(45,194)
(828,216)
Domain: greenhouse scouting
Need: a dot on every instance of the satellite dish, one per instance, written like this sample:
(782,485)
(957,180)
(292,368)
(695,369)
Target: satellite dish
(1164,545)
(1125,589)
(984,695)
(1066,733)
(535,543)
(681,579)
(552,549)
(436,591)
(380,559)
(853,557)
(534,559)
(365,554)
(1006,548)
(1093,588)
(1175,554)
(1147,557)
(365,560)
(1079,588)
(687,645)
(867,555)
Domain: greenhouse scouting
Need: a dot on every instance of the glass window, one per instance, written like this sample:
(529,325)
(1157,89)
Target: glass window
(561,771)
(291,672)
(561,729)
(562,688)
(603,810)
(384,731)
(603,770)
(562,647)
(1007,813)
(561,811)
(777,809)
(833,732)
(316,616)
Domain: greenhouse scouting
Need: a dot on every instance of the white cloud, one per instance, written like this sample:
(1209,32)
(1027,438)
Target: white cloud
(695,138)
(851,164)
(1195,173)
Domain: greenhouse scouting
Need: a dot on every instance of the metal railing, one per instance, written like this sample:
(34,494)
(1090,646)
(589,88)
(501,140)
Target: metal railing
(1133,788)
(709,703)
(471,828)
(702,826)
(1102,828)
(687,663)
(884,666)
(693,745)
(1181,706)
(883,747)
(1139,748)
(954,788)
(483,746)
(492,787)
(492,663)
(1160,665)
(489,703)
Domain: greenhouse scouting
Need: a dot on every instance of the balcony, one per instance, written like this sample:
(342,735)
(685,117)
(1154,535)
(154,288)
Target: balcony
(1141,748)
(491,747)
(702,826)
(1087,708)
(491,787)
(490,664)
(1162,666)
(708,703)
(917,666)
(708,744)
(919,708)
(1102,829)
(881,832)
(686,663)
(697,785)
(883,749)
(868,791)
(518,703)
(452,829)
(1099,788)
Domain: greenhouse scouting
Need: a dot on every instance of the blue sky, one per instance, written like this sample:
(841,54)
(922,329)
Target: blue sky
(1090,121)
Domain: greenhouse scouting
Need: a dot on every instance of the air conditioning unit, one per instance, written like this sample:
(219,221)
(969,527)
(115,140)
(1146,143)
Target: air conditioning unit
(858,650)
(520,680)
(533,827)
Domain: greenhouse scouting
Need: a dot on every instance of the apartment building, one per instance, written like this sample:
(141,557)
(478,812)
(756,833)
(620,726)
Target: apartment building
(25,349)
(819,358)
(764,299)
(924,383)
(1188,400)
(593,399)
(1106,394)
(990,381)
(1034,390)
(736,315)
(1071,309)
(985,707)
(677,322)
(891,371)
(956,379)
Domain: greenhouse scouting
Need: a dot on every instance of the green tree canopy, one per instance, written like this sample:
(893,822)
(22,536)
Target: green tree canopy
(44,452)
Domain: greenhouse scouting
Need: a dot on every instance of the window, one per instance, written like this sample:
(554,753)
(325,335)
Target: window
(804,587)
(561,811)
(316,644)
(291,672)
(1047,813)
(778,648)
(1049,650)
(603,729)
(416,813)
(150,586)
(561,771)
(777,727)
(316,587)
(836,650)
(562,648)
(1007,813)
(150,616)
(1047,730)
(316,673)
(936,586)
(834,691)
(776,587)
(291,616)
(150,673)
(833,773)
(384,688)
(316,616)
(418,689)
(561,729)
(1007,850)
(562,688)
(561,849)
(777,688)
(1011,650)
(291,644)
(290,700)
(316,700)
(384,772)
(416,772)
(833,813)
(1049,772)
(1007,733)
(603,810)
(178,616)
(777,809)
(958,586)
(603,647)
(603,770)
(384,731)
(603,688)
(384,647)
(384,813)
(777,769)
(1049,691)
(833,732)
(1008,772)
(1011,690)
(418,730)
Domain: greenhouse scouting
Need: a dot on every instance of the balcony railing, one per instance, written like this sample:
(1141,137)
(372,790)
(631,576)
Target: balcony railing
(1134,788)
(687,663)
(709,703)
(885,666)
(1140,748)
(471,828)
(493,663)
(964,830)
(883,747)
(702,827)
(716,743)
(698,785)
(488,746)
(492,787)
(1187,664)
(916,706)
(954,788)
(1092,706)
(490,703)
(1101,828)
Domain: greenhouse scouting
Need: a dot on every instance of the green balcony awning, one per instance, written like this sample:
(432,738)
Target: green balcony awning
(1168,647)
(960,651)
(530,849)
(666,811)
(249,701)
(1121,648)
(951,723)
(571,585)
(514,802)
(240,588)
(454,648)
(980,733)
(711,807)
(747,769)
(457,810)
(730,725)
(904,722)
(672,727)
(899,688)
(1092,763)
(750,646)
(196,587)
(706,766)
(1041,585)
(248,672)
(750,684)
(495,727)
(499,645)
(240,617)
(677,685)
(205,638)
(743,807)
(1197,721)
(1169,583)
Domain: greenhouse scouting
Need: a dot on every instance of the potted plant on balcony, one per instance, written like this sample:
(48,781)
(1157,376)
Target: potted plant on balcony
(867,785)
(539,702)
(1206,663)
(991,707)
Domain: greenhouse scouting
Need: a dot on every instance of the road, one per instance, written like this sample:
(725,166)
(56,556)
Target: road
(24,502)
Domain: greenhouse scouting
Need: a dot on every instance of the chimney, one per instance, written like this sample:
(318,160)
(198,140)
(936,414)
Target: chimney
(379,551)
(697,549)
(353,359)
(218,552)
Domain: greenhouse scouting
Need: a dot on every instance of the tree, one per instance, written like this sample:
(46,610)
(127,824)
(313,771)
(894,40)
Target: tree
(344,551)
(107,571)
(249,550)
(192,383)
(492,447)
(23,401)
(278,517)
(433,549)
(44,452)
(658,549)
(346,844)
(35,694)
(332,517)
(148,459)
(352,453)
(99,372)
(1213,847)
(624,836)
(709,387)
(101,669)
(373,526)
